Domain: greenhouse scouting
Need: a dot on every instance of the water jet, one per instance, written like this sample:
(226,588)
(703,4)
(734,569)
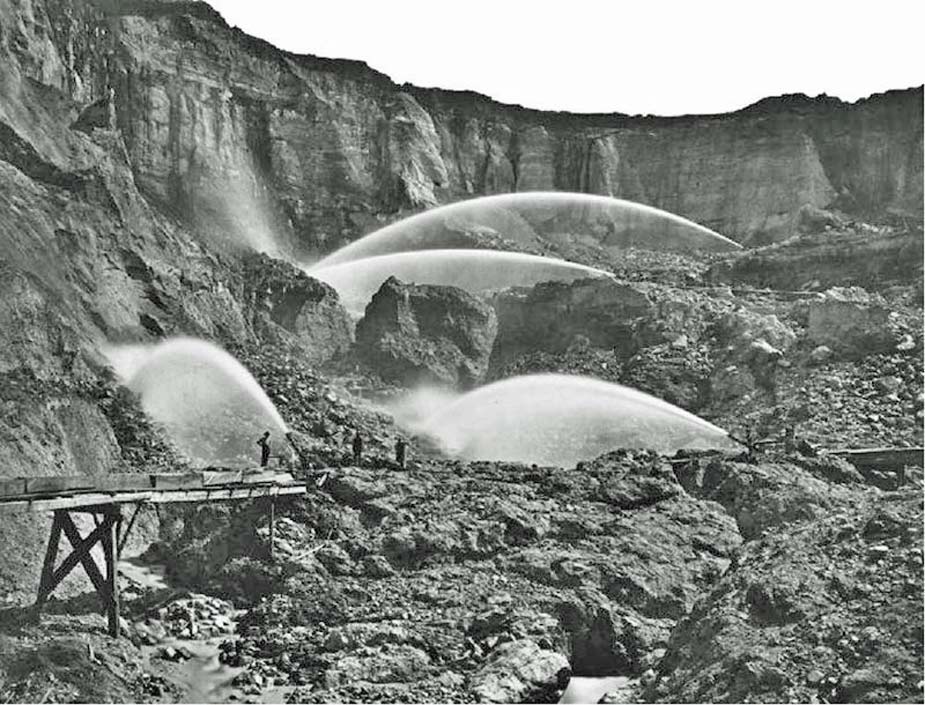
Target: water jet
(209,404)
(533,218)
(554,419)
(473,270)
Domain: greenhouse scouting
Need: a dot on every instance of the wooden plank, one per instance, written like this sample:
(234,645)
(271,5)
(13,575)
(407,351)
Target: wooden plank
(123,536)
(882,457)
(256,478)
(272,526)
(12,486)
(221,477)
(177,480)
(110,597)
(48,567)
(92,499)
(221,493)
(123,482)
(59,483)
(126,482)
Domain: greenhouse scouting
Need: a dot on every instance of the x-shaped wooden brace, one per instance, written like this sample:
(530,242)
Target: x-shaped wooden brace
(106,586)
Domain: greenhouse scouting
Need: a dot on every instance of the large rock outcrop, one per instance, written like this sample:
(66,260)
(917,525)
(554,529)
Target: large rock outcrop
(290,307)
(826,610)
(427,334)
(551,316)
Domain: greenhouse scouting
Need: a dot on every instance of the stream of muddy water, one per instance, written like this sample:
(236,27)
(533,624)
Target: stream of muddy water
(202,678)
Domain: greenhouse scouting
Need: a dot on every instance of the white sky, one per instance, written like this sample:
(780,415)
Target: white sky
(638,57)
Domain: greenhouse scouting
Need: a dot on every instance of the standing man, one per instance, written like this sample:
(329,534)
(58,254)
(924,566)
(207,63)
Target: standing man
(264,443)
(357,447)
(400,447)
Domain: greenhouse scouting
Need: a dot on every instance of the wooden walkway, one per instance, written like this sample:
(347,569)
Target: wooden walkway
(882,458)
(102,498)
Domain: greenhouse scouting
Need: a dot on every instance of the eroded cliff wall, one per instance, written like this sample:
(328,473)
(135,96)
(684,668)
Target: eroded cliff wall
(298,152)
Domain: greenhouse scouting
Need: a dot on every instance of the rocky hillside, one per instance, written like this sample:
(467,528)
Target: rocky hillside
(160,171)
(305,154)
(700,579)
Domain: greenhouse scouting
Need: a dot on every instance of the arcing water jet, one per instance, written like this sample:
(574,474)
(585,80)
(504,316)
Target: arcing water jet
(560,420)
(532,218)
(473,270)
(210,405)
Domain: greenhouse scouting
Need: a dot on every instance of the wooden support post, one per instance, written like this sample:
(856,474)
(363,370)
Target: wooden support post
(272,524)
(123,535)
(48,567)
(113,521)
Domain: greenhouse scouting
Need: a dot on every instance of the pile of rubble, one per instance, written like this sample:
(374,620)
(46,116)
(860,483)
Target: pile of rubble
(873,402)
(189,616)
(198,616)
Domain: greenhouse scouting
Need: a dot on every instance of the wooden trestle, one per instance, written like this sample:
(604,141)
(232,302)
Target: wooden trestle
(104,504)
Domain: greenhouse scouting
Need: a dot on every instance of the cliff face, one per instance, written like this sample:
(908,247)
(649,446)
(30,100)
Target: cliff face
(85,259)
(337,144)
(304,153)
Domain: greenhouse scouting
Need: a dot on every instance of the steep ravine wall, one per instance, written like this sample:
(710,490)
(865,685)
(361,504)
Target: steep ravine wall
(308,153)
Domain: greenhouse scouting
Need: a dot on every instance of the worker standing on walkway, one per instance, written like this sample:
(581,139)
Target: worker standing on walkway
(400,448)
(264,443)
(357,448)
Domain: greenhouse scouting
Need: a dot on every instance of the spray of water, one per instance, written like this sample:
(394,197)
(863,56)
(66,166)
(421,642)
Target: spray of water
(473,270)
(209,404)
(534,217)
(232,207)
(556,420)
(247,210)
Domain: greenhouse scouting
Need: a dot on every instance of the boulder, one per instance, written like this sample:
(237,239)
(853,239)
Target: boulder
(391,663)
(423,334)
(852,322)
(517,672)
(377,566)
(601,642)
(820,354)
(742,328)
(763,497)
(756,345)
(335,559)
(811,219)
(100,114)
(678,374)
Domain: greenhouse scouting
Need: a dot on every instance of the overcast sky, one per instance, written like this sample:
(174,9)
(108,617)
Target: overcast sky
(645,56)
